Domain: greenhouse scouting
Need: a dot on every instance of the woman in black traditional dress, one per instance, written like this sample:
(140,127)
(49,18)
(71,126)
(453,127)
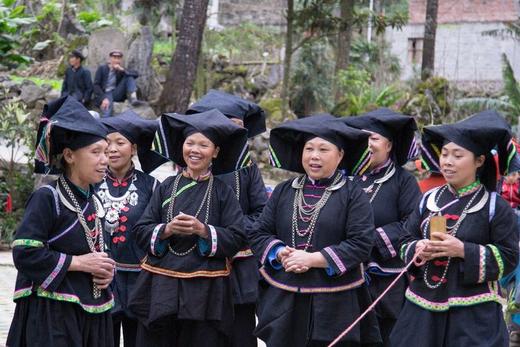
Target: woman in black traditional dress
(251,193)
(62,296)
(125,193)
(313,237)
(394,194)
(465,236)
(191,229)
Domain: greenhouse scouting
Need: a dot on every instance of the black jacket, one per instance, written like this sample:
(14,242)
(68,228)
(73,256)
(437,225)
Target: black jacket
(78,84)
(101,78)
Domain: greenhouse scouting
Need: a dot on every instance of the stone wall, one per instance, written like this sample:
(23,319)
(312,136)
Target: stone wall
(260,12)
(462,53)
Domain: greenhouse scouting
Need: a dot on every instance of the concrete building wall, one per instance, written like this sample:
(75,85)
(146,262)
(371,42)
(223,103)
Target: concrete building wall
(462,53)
(260,12)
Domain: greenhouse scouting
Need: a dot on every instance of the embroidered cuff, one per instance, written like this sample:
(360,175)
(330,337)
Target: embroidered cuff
(272,257)
(334,261)
(386,242)
(268,249)
(208,247)
(498,259)
(59,272)
(27,243)
(482,264)
(157,246)
(54,272)
(407,251)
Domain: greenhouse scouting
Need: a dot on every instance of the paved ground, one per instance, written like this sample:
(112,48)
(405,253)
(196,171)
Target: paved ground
(7,279)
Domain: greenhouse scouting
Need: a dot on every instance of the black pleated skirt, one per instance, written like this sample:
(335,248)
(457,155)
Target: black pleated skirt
(40,322)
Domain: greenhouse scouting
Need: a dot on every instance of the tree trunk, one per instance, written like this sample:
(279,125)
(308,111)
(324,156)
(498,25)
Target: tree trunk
(183,69)
(344,41)
(430,29)
(287,58)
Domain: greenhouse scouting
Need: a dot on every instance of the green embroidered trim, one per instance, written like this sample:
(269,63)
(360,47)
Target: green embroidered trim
(426,166)
(156,145)
(275,158)
(74,299)
(402,251)
(452,302)
(245,162)
(469,187)
(498,258)
(510,157)
(361,159)
(27,243)
(22,293)
(180,191)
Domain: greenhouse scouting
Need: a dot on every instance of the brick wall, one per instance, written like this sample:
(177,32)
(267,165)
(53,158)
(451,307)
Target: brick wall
(457,11)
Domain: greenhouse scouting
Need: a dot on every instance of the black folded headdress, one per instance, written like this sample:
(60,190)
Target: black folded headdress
(480,134)
(138,131)
(398,128)
(288,140)
(64,123)
(232,106)
(232,139)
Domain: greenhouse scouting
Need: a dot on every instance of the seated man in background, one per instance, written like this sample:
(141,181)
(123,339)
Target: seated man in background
(113,83)
(77,81)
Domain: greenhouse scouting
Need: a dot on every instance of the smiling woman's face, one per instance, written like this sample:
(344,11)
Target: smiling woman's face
(198,151)
(458,165)
(120,151)
(320,158)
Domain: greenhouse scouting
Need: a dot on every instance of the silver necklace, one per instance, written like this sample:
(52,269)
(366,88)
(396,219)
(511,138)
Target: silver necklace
(390,171)
(206,200)
(308,213)
(113,205)
(453,232)
(91,235)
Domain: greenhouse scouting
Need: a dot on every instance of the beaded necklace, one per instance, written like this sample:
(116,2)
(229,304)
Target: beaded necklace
(308,213)
(451,230)
(206,200)
(467,189)
(114,205)
(90,235)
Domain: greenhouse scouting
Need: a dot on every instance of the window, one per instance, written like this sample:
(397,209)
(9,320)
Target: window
(415,48)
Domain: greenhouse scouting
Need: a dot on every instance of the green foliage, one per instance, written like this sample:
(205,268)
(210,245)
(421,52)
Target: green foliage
(273,109)
(370,56)
(242,42)
(88,17)
(429,101)
(19,133)
(360,95)
(313,71)
(319,18)
(92,20)
(50,11)
(12,19)
(163,47)
(508,103)
(54,83)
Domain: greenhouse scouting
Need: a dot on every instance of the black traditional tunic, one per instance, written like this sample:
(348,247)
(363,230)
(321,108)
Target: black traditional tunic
(174,290)
(55,307)
(129,197)
(462,307)
(252,198)
(394,194)
(315,306)
(250,191)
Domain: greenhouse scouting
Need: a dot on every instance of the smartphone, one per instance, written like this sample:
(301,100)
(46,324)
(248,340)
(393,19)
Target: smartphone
(437,225)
